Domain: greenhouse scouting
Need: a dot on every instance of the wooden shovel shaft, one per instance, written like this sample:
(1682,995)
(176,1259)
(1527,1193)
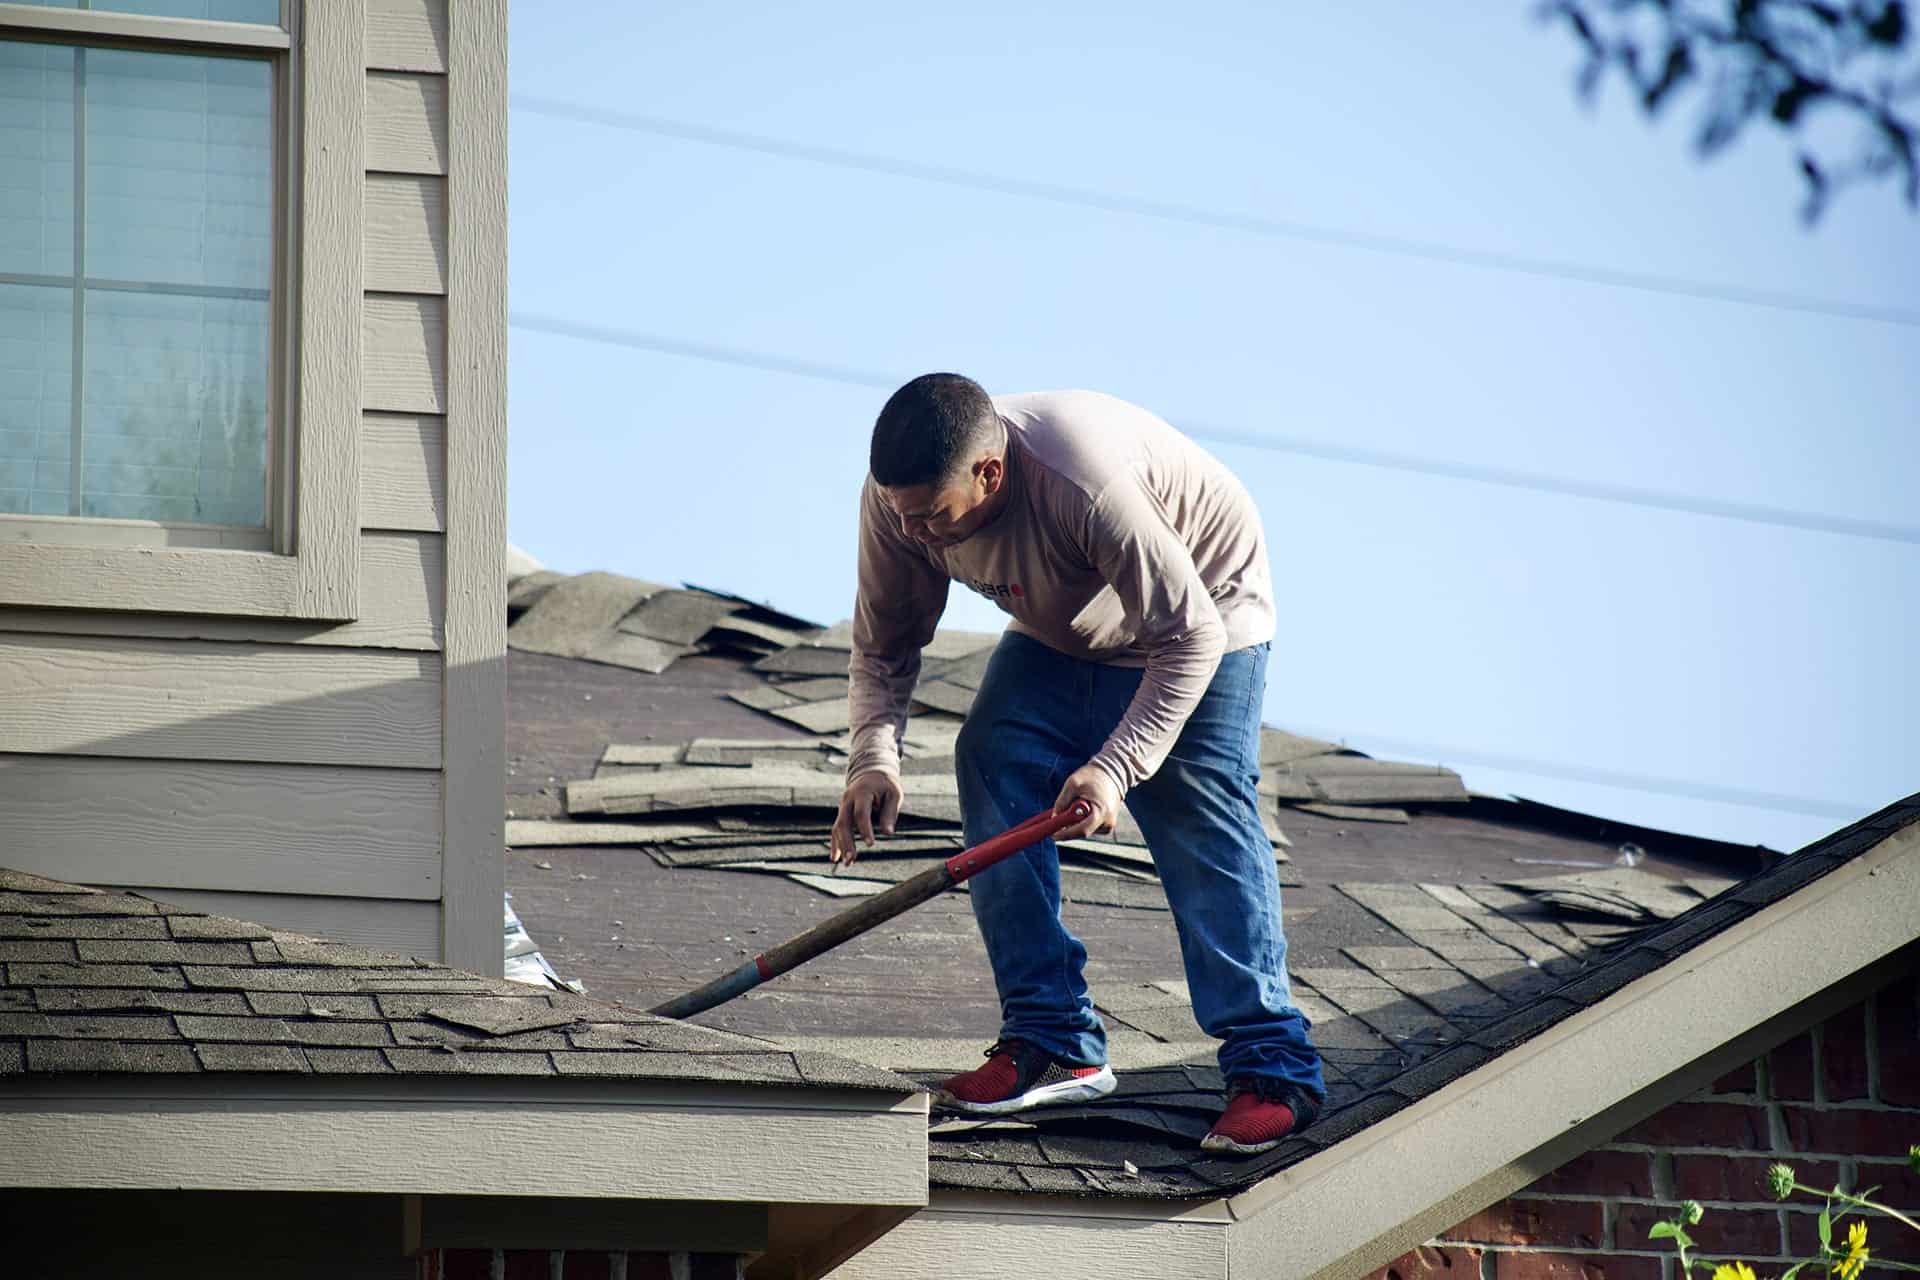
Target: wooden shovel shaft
(856,920)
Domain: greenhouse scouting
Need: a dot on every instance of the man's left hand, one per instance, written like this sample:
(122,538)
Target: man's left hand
(1096,786)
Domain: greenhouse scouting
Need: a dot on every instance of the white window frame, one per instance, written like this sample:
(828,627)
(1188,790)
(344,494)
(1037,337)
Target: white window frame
(306,565)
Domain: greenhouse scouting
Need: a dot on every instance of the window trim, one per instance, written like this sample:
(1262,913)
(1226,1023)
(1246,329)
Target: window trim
(311,572)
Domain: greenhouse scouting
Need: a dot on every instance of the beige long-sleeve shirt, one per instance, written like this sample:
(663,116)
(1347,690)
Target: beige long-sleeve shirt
(1122,542)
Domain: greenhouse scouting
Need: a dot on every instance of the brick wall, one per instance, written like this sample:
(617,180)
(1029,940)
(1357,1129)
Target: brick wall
(553,1264)
(1840,1104)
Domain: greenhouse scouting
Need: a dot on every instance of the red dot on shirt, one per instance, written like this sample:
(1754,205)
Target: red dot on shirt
(1017,591)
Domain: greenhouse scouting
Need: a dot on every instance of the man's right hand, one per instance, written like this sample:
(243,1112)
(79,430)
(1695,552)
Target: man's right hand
(870,803)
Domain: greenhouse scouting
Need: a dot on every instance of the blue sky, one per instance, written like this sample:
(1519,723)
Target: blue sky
(1751,681)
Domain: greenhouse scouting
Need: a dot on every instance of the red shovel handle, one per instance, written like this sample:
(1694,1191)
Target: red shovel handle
(856,920)
(1031,832)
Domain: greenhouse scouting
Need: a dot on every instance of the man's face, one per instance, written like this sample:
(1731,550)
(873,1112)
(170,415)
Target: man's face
(944,515)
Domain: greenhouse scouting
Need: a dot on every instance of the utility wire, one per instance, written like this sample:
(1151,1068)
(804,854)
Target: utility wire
(1604,777)
(1783,517)
(1169,211)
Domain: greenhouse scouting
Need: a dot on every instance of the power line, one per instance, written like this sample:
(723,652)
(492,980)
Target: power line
(1606,777)
(1170,211)
(1750,513)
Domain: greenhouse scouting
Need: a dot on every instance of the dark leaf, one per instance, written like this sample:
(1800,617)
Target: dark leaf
(1679,66)
(1582,29)
(1890,28)
(1788,102)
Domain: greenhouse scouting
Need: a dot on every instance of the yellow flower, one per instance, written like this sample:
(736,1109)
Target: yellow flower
(1733,1271)
(1857,1253)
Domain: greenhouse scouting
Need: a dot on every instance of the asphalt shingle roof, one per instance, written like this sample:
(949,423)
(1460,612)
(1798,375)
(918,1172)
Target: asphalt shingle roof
(1430,930)
(116,982)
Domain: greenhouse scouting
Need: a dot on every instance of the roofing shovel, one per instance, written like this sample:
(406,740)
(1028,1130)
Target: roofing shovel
(834,930)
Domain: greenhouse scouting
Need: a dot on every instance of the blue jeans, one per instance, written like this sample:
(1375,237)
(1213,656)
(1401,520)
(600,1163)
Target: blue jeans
(1039,716)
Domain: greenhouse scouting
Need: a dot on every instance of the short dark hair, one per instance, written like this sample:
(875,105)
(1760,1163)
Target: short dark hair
(929,429)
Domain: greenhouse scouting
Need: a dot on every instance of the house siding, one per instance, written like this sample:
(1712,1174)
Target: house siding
(298,768)
(1840,1103)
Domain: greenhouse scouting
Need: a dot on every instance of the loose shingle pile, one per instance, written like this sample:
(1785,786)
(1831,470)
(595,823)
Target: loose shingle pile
(627,622)
(116,982)
(706,802)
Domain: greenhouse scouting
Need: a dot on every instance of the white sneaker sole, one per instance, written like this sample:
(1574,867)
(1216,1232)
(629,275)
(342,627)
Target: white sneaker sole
(1093,1086)
(1216,1142)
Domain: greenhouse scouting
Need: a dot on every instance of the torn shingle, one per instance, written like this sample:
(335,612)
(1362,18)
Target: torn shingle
(575,613)
(638,653)
(677,617)
(832,716)
(500,1016)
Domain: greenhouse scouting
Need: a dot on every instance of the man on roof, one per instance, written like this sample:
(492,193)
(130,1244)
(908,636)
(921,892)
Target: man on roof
(1135,571)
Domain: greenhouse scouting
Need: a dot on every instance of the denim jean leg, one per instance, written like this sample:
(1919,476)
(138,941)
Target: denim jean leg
(1019,743)
(1200,815)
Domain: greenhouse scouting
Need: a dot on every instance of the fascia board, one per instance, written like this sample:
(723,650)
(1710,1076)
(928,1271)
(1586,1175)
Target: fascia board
(1366,1200)
(985,1236)
(445,1137)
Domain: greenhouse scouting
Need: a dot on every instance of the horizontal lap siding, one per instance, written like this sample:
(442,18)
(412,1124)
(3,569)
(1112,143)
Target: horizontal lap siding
(406,123)
(406,245)
(406,354)
(403,473)
(270,828)
(407,35)
(386,924)
(193,700)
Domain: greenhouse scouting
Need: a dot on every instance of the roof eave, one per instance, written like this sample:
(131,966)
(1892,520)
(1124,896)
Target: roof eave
(578,1138)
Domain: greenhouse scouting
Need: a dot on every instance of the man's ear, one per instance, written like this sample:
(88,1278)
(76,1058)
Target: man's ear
(991,472)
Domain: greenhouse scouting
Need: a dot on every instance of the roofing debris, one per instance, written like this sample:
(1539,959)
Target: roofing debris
(799,678)
(628,622)
(524,961)
(99,981)
(1407,984)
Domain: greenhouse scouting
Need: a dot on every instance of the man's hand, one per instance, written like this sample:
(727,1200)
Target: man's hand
(1096,786)
(871,801)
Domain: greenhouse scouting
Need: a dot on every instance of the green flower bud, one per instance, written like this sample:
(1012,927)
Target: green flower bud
(1780,1181)
(1692,1212)
(1913,1159)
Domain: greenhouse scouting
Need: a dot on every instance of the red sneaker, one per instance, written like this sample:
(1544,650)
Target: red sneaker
(1019,1075)
(1260,1112)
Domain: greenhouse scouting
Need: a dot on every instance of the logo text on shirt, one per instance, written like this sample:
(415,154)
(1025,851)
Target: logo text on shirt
(996,590)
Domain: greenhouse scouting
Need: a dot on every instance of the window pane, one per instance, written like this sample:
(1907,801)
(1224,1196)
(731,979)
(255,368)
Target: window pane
(36,398)
(258,11)
(36,159)
(179,169)
(175,407)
